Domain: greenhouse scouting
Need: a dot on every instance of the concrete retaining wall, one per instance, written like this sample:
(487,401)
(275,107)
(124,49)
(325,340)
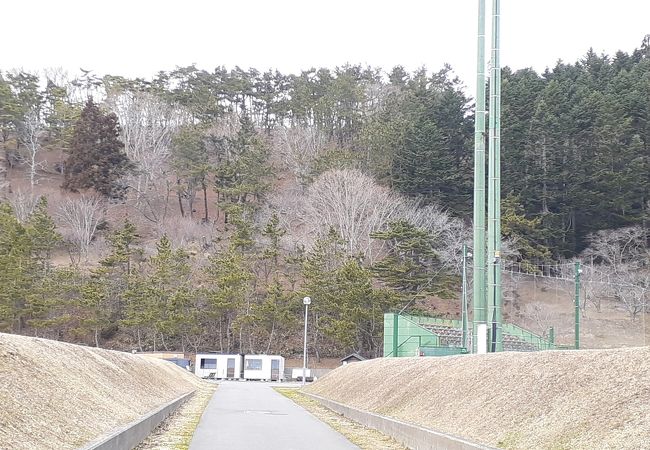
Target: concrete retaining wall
(131,435)
(412,436)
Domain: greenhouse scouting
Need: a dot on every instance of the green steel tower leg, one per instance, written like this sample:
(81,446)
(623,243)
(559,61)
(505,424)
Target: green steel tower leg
(577,305)
(495,300)
(395,334)
(463,307)
(479,301)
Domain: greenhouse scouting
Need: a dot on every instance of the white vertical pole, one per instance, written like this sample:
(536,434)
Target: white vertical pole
(306,301)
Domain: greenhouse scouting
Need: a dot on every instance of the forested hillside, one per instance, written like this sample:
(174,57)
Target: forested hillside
(195,209)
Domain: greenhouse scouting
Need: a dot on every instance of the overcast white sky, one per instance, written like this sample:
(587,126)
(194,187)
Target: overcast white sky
(140,37)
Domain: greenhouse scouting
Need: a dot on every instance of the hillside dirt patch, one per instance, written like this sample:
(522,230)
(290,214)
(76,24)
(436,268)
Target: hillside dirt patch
(61,396)
(591,399)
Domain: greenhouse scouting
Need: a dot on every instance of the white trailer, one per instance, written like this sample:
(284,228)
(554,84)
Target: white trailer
(264,367)
(218,367)
(296,374)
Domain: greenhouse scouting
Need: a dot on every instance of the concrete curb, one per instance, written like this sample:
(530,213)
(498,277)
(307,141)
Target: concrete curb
(131,435)
(412,436)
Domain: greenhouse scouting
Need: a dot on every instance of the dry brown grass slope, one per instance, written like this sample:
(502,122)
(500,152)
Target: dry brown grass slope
(592,399)
(60,396)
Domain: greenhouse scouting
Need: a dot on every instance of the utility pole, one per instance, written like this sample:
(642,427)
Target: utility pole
(578,271)
(464,299)
(495,300)
(479,301)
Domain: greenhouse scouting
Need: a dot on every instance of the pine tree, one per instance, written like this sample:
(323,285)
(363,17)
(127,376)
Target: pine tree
(227,284)
(525,234)
(242,167)
(43,235)
(17,271)
(242,238)
(55,307)
(169,279)
(274,315)
(424,138)
(122,250)
(347,310)
(159,298)
(411,266)
(95,304)
(273,232)
(192,164)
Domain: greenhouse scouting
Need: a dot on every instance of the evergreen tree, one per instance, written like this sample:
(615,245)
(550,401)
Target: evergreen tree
(275,314)
(96,158)
(191,162)
(10,109)
(42,233)
(411,266)
(17,271)
(94,303)
(347,310)
(54,309)
(227,278)
(170,290)
(423,138)
(241,166)
(524,233)
(273,232)
(122,250)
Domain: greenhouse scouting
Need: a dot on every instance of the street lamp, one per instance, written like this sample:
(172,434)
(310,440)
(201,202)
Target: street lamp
(305,301)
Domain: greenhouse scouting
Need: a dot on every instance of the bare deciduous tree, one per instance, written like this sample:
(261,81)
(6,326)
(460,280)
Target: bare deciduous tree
(80,218)
(356,206)
(29,133)
(593,282)
(621,272)
(147,125)
(631,290)
(618,248)
(542,317)
(23,205)
(299,146)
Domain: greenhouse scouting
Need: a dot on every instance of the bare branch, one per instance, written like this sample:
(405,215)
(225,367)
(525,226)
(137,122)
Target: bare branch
(80,218)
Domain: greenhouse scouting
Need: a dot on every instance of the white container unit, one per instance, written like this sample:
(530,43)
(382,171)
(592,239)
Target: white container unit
(219,367)
(296,374)
(264,367)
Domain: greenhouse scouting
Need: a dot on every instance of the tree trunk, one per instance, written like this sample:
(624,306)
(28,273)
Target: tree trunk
(139,339)
(180,199)
(221,335)
(205,201)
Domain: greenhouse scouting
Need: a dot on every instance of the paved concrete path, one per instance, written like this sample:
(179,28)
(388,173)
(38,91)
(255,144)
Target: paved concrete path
(252,416)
